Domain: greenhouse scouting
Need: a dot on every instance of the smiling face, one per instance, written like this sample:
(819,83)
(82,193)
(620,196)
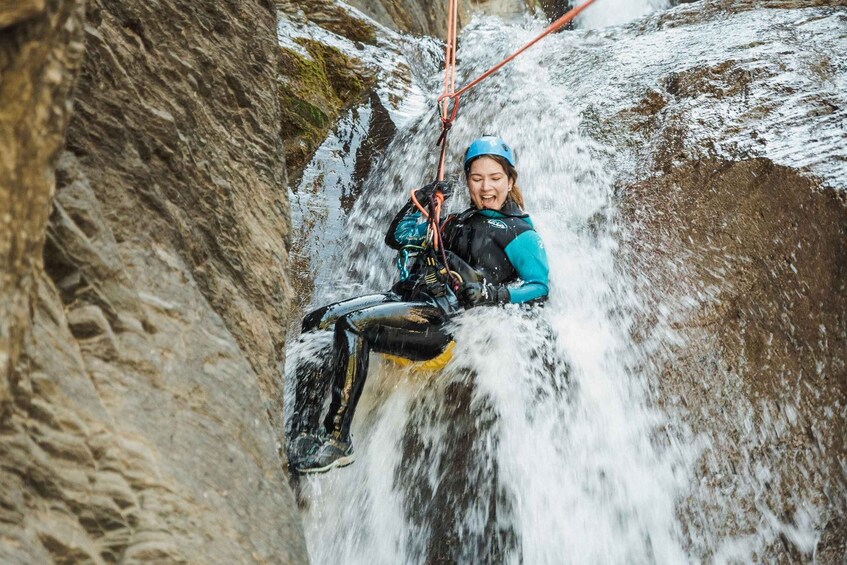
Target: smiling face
(489,184)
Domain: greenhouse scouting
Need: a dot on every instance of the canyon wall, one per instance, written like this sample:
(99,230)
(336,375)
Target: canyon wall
(141,391)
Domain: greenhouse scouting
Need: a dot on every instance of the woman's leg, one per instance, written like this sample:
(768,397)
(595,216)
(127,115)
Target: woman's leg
(410,329)
(324,317)
(413,330)
(313,373)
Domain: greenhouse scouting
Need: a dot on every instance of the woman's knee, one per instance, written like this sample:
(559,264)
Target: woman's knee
(323,318)
(349,323)
(315,320)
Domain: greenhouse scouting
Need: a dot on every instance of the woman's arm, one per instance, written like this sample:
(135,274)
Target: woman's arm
(526,253)
(406,228)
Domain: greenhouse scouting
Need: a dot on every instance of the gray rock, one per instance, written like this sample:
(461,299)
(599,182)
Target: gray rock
(139,386)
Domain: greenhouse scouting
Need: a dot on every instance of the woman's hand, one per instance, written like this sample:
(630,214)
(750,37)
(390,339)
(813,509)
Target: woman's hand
(426,193)
(480,294)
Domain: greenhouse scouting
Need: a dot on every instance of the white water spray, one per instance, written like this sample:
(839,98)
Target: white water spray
(616,12)
(541,442)
(558,446)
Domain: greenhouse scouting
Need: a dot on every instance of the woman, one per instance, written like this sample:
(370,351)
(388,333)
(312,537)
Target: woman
(489,246)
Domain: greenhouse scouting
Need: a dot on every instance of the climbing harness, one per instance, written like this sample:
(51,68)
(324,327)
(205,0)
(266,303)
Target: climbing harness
(406,255)
(436,276)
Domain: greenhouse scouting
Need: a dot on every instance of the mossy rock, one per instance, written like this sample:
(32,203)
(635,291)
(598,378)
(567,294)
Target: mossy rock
(306,79)
(300,117)
(340,22)
(313,92)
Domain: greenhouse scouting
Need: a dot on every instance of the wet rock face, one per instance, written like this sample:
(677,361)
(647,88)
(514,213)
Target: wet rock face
(314,89)
(413,16)
(736,234)
(139,419)
(331,16)
(554,8)
(753,260)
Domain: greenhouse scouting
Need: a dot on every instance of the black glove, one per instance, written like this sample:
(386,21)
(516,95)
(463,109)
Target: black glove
(425,194)
(480,294)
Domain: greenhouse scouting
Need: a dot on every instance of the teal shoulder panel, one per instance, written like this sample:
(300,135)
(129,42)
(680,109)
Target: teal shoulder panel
(527,254)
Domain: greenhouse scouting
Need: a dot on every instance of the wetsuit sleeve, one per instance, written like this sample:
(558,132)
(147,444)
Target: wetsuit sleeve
(406,228)
(526,253)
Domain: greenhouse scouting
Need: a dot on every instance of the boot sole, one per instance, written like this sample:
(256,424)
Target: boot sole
(340,462)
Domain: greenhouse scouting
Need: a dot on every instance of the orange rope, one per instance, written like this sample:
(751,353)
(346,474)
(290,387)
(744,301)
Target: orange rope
(449,83)
(418,204)
(555,26)
(436,232)
(450,55)
(439,200)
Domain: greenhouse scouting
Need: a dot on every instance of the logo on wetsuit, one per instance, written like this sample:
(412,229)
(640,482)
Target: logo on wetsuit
(499,224)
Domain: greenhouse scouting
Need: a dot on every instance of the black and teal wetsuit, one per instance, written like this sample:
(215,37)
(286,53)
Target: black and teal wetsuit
(501,246)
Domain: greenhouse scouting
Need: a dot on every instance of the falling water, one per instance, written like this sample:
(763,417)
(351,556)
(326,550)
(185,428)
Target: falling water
(614,12)
(541,441)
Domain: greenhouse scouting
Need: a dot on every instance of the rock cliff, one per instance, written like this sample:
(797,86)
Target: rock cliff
(318,81)
(40,51)
(140,384)
(736,229)
(145,287)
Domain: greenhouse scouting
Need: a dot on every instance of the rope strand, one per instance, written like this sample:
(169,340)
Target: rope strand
(555,26)
(448,106)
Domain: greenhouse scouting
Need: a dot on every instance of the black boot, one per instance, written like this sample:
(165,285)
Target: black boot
(350,369)
(333,453)
(312,380)
(301,448)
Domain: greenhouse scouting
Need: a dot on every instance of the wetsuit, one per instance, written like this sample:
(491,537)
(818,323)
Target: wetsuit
(500,247)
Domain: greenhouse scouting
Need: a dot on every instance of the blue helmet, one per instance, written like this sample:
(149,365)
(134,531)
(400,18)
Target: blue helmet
(489,145)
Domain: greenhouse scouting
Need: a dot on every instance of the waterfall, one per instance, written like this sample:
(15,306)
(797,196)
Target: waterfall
(567,463)
(615,12)
(543,440)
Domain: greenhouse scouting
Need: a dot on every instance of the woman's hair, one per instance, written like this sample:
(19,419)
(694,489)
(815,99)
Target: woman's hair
(511,173)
